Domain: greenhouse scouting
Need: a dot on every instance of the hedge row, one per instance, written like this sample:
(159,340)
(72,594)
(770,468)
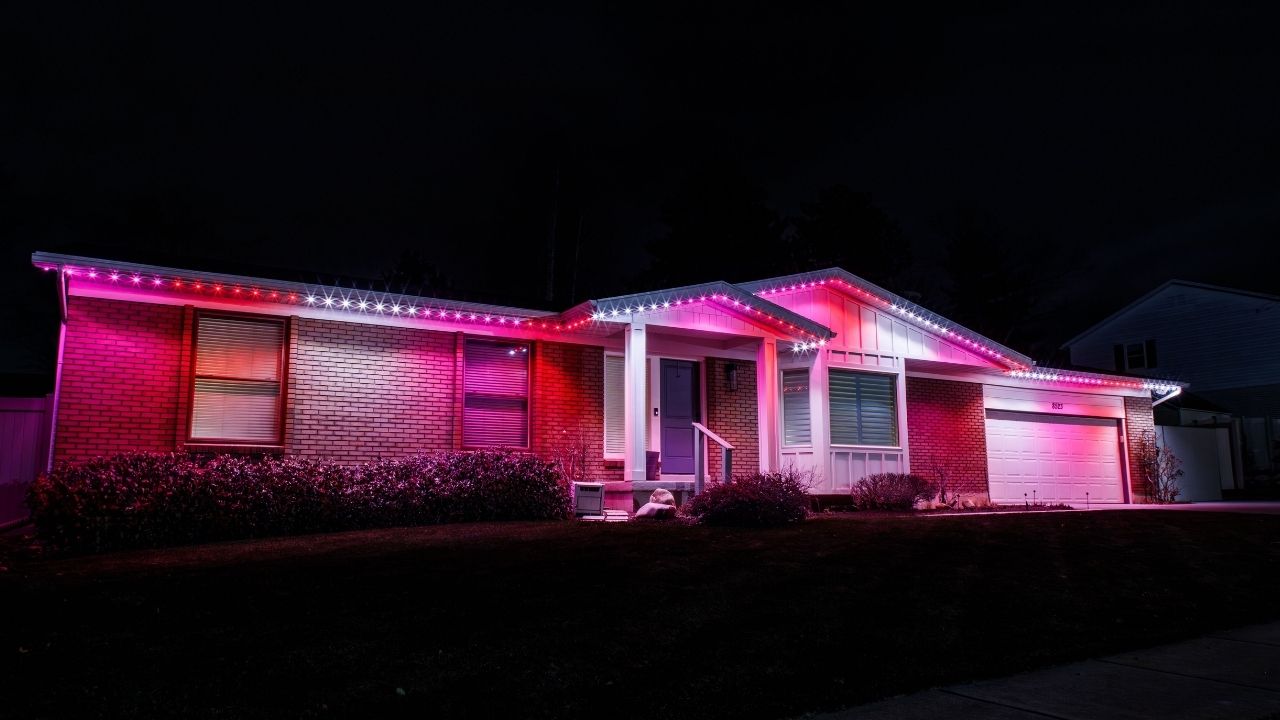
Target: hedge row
(154,499)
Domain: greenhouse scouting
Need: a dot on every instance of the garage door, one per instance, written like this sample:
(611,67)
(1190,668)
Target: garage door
(1053,458)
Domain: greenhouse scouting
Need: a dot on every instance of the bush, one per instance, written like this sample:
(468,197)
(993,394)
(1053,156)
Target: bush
(151,499)
(891,491)
(757,500)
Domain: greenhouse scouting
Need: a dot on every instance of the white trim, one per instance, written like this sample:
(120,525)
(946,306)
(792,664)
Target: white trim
(1007,381)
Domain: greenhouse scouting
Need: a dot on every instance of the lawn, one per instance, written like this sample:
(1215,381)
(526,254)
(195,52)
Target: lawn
(623,620)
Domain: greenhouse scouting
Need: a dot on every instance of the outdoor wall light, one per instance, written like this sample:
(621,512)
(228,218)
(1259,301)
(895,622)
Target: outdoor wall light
(731,376)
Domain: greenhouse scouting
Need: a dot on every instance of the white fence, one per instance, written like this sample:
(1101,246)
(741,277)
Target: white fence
(1206,459)
(24,448)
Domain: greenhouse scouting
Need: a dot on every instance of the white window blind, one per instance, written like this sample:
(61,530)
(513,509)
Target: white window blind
(863,409)
(236,397)
(615,389)
(795,407)
(495,394)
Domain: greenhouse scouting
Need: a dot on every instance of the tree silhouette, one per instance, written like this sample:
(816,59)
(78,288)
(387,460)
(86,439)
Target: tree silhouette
(846,229)
(991,288)
(719,227)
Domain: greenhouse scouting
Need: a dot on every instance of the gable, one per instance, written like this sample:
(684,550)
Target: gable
(860,327)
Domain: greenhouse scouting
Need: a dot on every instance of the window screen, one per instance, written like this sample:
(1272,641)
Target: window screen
(795,407)
(237,393)
(496,394)
(863,408)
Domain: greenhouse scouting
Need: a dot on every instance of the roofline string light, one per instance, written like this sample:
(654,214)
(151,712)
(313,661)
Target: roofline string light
(666,304)
(947,330)
(335,299)
(1094,380)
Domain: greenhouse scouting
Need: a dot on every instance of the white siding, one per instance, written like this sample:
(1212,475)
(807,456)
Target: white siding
(860,327)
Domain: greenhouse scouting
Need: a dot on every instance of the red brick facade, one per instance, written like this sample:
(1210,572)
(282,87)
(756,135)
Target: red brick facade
(946,430)
(732,414)
(121,378)
(360,392)
(1139,420)
(568,403)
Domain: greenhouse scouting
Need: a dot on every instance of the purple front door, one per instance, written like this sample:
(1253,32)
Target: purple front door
(680,405)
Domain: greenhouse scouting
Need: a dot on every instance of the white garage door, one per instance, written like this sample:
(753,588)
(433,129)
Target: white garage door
(1053,458)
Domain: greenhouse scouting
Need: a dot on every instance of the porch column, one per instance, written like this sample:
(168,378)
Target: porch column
(636,401)
(767,403)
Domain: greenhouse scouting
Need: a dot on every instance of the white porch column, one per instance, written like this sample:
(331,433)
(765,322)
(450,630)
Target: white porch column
(767,403)
(636,401)
(820,415)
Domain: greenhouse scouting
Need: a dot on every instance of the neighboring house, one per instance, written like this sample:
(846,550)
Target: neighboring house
(1224,342)
(821,371)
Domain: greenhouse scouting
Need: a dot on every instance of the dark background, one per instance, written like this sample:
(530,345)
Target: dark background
(1024,169)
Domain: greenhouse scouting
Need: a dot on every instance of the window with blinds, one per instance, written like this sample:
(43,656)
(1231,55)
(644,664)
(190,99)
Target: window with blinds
(863,408)
(615,388)
(495,394)
(795,407)
(236,395)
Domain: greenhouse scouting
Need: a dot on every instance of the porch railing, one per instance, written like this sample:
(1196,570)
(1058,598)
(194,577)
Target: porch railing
(702,435)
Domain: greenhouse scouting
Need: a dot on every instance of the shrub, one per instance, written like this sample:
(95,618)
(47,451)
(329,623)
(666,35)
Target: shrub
(891,491)
(756,500)
(1160,469)
(151,499)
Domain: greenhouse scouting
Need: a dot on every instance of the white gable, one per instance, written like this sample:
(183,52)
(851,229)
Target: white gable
(863,328)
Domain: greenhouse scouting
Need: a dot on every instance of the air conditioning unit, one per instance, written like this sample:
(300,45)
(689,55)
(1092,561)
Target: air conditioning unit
(588,498)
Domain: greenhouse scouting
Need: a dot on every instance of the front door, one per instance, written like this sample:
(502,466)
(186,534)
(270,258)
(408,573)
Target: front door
(679,410)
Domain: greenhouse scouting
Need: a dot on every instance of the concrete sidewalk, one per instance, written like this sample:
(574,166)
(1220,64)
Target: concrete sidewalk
(1233,674)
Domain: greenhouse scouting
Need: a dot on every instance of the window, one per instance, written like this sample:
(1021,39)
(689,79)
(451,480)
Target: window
(237,394)
(1135,356)
(495,394)
(795,407)
(615,389)
(863,408)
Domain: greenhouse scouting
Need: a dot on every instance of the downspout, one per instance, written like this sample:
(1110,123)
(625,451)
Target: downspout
(57,376)
(1177,390)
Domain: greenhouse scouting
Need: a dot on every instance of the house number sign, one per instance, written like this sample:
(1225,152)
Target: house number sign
(1056,406)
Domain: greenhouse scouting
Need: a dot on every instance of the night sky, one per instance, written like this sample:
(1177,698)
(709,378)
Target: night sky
(1107,149)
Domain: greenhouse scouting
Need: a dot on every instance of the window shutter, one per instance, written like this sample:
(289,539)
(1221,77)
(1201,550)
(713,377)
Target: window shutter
(795,407)
(1151,353)
(863,409)
(615,431)
(495,394)
(1117,356)
(236,394)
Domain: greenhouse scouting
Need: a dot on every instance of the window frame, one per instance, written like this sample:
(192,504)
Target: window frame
(282,366)
(528,393)
(895,388)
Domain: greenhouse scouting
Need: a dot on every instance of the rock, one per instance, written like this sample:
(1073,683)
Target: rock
(657,511)
(968,505)
(663,496)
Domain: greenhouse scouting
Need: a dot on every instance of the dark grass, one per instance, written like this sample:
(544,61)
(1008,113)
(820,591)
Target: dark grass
(621,620)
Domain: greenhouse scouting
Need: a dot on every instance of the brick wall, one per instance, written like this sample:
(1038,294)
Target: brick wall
(946,428)
(1139,421)
(121,378)
(361,392)
(732,414)
(568,403)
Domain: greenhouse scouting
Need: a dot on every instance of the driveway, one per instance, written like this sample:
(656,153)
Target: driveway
(1253,507)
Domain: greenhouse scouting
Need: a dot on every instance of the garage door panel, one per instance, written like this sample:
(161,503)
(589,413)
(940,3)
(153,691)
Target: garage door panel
(1053,458)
